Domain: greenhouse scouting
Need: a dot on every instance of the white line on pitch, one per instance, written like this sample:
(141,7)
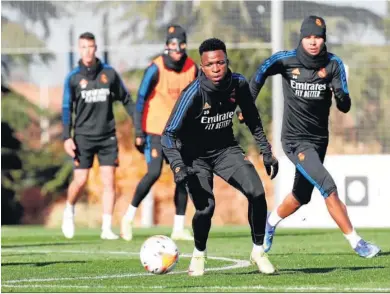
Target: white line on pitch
(237,263)
(271,288)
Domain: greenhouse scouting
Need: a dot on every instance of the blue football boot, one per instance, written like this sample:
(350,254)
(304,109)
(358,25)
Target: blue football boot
(366,250)
(268,237)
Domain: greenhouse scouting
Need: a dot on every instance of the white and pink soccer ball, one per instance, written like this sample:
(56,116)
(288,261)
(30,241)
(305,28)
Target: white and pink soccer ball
(159,254)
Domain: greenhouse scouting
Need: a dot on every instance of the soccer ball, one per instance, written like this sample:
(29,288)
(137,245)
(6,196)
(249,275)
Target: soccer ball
(159,254)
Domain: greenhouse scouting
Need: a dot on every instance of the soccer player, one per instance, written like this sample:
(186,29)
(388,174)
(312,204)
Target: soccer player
(161,86)
(310,75)
(198,141)
(89,91)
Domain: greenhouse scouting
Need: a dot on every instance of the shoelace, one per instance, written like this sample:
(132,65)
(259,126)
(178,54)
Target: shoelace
(264,254)
(201,257)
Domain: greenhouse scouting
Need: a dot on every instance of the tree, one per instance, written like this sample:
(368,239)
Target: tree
(386,22)
(15,35)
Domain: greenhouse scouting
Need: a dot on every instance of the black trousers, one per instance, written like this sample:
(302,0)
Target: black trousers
(154,159)
(232,165)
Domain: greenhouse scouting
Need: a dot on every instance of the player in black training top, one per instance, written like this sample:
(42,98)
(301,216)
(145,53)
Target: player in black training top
(198,141)
(311,75)
(89,92)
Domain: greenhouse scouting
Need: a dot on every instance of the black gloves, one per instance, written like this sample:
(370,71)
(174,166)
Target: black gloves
(140,142)
(271,164)
(181,173)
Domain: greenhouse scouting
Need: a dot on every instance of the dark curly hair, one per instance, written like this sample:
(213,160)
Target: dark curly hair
(212,44)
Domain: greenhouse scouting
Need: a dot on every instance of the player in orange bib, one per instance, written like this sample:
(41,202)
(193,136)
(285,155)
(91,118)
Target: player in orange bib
(163,81)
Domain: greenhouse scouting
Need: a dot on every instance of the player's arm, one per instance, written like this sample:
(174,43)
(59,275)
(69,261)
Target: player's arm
(170,139)
(253,121)
(67,110)
(148,83)
(340,86)
(271,66)
(67,107)
(123,95)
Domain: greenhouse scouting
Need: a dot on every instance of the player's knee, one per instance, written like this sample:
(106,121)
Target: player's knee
(208,209)
(255,194)
(254,190)
(153,174)
(250,182)
(80,180)
(329,187)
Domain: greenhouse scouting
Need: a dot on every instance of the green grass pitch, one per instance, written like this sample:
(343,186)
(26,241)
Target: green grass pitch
(35,259)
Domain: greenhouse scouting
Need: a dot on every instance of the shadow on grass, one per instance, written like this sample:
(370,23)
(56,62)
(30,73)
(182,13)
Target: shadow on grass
(40,263)
(217,235)
(20,254)
(311,270)
(44,244)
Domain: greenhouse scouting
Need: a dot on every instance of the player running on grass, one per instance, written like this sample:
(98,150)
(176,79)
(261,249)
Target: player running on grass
(198,141)
(90,91)
(161,86)
(310,75)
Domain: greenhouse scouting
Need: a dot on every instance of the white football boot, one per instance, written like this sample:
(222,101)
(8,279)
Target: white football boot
(260,258)
(197,264)
(107,234)
(126,229)
(183,235)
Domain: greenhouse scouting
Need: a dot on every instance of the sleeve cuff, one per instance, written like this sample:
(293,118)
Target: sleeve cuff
(66,132)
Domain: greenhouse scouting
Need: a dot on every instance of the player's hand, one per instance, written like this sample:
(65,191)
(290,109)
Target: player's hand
(181,173)
(240,116)
(70,147)
(271,165)
(140,143)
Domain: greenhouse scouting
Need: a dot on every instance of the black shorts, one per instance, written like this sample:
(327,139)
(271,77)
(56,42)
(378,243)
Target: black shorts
(310,172)
(105,147)
(224,163)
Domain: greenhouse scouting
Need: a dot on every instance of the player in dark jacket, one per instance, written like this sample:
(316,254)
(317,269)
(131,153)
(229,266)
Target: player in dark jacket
(198,141)
(311,75)
(89,92)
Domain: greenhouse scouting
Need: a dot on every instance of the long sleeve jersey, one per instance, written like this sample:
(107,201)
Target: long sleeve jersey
(200,124)
(90,93)
(307,94)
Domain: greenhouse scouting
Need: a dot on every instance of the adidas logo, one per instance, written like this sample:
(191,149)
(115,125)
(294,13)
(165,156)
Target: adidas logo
(206,106)
(296,72)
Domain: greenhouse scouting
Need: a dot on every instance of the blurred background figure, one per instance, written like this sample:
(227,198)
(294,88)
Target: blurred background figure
(163,81)
(89,91)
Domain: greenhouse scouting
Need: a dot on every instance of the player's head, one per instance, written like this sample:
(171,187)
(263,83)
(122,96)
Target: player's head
(213,59)
(176,42)
(87,48)
(313,34)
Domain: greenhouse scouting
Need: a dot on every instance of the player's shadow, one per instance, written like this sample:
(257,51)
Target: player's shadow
(44,244)
(40,263)
(309,270)
(19,254)
(219,235)
(324,270)
(325,253)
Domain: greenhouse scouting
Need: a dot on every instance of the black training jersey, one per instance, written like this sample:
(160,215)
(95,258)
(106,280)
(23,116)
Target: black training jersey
(307,94)
(200,124)
(90,92)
